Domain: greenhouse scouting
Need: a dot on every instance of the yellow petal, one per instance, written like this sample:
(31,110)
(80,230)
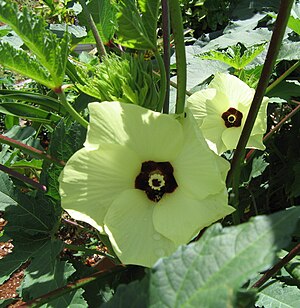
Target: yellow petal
(129,225)
(92,179)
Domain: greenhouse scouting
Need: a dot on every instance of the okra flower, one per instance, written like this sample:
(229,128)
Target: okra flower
(221,111)
(147,180)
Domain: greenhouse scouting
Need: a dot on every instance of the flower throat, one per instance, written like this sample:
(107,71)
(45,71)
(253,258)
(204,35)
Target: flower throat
(156,179)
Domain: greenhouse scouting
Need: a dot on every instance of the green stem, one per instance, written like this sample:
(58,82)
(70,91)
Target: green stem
(282,77)
(163,81)
(46,298)
(277,36)
(166,45)
(30,150)
(73,113)
(99,44)
(177,28)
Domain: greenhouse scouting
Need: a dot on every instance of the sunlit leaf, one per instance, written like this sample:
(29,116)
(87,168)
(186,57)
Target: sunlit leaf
(104,16)
(51,52)
(46,273)
(234,55)
(132,32)
(19,61)
(210,272)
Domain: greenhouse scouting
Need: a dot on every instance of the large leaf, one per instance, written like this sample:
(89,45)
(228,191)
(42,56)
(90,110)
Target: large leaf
(50,52)
(21,253)
(65,141)
(149,10)
(210,272)
(20,62)
(132,32)
(279,294)
(104,16)
(46,273)
(245,32)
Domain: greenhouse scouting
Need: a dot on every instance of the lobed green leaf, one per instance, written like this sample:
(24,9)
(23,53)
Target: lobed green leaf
(132,32)
(51,52)
(104,16)
(20,62)
(210,272)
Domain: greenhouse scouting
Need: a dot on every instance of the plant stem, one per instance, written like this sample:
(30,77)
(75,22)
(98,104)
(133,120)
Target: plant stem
(177,28)
(166,45)
(163,81)
(23,178)
(99,44)
(30,150)
(73,286)
(272,271)
(73,113)
(282,77)
(277,36)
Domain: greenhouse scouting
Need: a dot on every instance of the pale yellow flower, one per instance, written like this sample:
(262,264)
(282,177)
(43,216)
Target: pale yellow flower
(145,179)
(221,111)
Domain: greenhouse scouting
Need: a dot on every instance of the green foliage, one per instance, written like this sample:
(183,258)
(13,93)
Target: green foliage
(104,16)
(236,56)
(39,99)
(51,53)
(29,112)
(210,272)
(46,273)
(281,291)
(137,29)
(126,79)
(65,141)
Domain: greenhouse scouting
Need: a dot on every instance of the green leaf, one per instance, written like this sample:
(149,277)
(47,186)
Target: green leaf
(286,89)
(20,62)
(29,112)
(47,273)
(149,10)
(25,134)
(293,268)
(132,32)
(21,253)
(294,24)
(278,294)
(289,50)
(234,55)
(210,272)
(36,98)
(65,141)
(245,32)
(34,164)
(104,16)
(258,167)
(51,52)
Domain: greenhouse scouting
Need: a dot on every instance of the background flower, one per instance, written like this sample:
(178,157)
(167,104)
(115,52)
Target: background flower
(147,180)
(221,111)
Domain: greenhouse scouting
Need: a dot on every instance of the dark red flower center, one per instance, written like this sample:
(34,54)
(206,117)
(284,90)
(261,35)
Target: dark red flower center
(232,117)
(156,179)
